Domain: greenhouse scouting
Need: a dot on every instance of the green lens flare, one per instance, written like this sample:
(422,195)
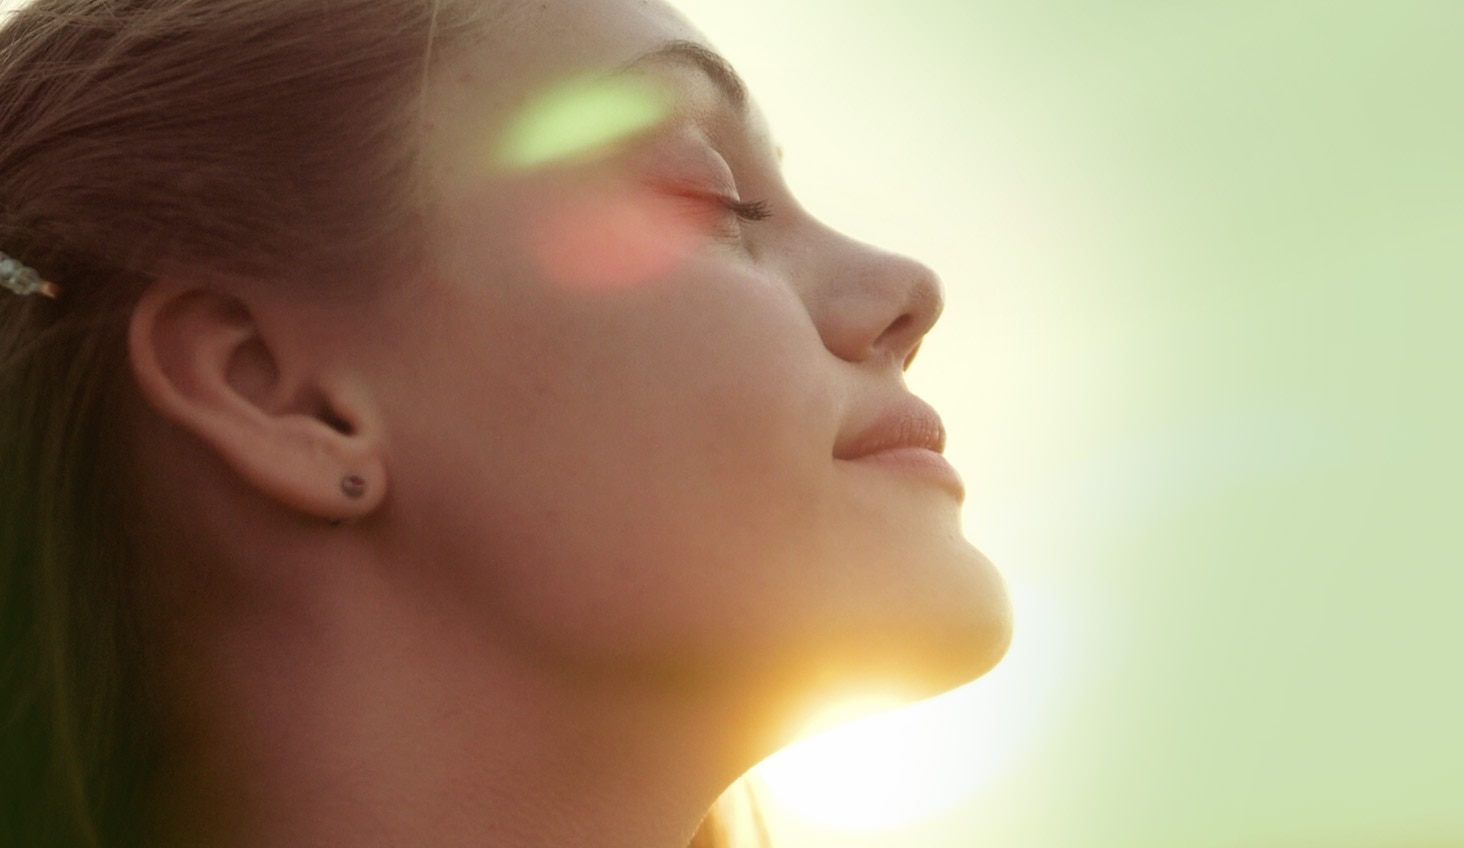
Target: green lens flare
(579,119)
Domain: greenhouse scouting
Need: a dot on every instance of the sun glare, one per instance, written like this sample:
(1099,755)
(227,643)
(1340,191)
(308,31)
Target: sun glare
(897,769)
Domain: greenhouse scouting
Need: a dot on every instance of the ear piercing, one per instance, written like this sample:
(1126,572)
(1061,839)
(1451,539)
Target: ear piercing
(353,485)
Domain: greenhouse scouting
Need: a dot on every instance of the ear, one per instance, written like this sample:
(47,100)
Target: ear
(296,432)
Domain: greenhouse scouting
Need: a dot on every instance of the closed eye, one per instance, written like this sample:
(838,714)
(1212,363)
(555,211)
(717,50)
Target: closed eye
(752,211)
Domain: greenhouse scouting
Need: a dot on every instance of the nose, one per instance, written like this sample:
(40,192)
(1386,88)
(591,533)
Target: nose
(875,307)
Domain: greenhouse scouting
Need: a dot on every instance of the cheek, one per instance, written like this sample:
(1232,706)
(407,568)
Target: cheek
(636,471)
(642,468)
(611,240)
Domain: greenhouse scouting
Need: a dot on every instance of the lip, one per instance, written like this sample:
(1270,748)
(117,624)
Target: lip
(908,437)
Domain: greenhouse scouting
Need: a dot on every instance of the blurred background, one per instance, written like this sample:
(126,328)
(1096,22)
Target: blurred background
(1201,366)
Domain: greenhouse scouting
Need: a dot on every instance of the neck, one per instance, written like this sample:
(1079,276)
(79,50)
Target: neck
(366,722)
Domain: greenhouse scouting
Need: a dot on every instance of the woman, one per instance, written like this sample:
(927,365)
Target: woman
(439,426)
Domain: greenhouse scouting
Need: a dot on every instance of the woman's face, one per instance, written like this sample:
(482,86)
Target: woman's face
(619,408)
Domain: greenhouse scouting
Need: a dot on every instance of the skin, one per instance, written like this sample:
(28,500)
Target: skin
(606,560)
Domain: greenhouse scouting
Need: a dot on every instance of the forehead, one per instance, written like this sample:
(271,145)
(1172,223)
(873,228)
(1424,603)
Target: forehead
(532,37)
(528,47)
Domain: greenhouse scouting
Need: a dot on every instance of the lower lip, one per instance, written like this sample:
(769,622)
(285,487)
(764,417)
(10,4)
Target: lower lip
(921,462)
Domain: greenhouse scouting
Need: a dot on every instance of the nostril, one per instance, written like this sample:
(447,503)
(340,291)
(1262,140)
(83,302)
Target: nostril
(910,360)
(898,327)
(875,305)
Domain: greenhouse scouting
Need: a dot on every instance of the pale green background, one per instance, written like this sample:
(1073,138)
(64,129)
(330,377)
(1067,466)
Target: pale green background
(1201,364)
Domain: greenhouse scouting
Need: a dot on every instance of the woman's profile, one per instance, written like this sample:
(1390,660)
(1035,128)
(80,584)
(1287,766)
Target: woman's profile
(434,422)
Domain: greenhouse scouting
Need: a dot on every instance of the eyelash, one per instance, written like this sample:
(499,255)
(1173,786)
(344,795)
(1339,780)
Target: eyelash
(750,211)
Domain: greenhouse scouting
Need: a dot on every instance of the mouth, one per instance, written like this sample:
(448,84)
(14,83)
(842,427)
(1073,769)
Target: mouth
(909,423)
(906,436)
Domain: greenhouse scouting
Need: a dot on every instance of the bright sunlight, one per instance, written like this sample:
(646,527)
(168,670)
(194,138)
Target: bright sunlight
(893,769)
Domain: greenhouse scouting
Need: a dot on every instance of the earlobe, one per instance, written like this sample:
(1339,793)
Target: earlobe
(289,427)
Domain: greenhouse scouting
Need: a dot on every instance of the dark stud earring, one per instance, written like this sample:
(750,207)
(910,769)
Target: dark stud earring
(354,485)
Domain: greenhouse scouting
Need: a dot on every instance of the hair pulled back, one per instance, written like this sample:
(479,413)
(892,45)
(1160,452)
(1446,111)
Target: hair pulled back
(272,140)
(267,139)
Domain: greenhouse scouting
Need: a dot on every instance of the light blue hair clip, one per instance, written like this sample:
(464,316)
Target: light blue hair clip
(24,280)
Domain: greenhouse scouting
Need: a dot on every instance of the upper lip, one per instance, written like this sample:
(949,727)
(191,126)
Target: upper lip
(907,423)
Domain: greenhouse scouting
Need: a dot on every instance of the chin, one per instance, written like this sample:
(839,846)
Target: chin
(922,608)
(936,629)
(878,675)
(940,618)
(980,628)
(937,654)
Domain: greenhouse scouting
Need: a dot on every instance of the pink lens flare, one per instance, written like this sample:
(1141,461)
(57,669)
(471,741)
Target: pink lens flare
(613,240)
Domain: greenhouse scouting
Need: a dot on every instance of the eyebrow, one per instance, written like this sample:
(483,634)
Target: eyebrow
(709,62)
